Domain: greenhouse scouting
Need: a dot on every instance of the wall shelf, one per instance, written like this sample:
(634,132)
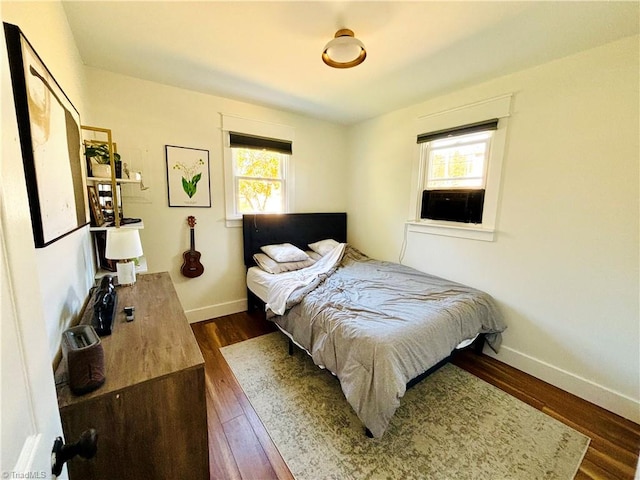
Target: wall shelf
(109,199)
(108,180)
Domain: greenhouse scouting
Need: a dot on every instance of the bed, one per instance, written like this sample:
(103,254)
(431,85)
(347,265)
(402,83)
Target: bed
(377,326)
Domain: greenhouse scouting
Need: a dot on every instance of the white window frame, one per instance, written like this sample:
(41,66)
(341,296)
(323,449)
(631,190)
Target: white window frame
(498,107)
(231,123)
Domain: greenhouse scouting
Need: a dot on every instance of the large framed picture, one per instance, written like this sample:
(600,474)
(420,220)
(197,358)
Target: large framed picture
(50,142)
(188,179)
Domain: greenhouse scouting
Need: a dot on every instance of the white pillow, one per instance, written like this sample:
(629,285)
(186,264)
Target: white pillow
(269,265)
(285,252)
(313,255)
(323,246)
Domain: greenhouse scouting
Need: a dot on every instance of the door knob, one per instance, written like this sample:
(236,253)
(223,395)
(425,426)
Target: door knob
(86,447)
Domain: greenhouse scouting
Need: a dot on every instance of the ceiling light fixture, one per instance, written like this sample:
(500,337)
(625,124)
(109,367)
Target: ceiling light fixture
(344,51)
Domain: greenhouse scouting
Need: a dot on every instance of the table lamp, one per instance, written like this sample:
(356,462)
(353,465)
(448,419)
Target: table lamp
(123,244)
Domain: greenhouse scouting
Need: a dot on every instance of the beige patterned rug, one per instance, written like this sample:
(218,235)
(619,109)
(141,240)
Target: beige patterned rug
(451,425)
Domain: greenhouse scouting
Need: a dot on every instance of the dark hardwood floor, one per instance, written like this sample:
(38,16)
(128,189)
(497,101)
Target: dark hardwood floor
(240,447)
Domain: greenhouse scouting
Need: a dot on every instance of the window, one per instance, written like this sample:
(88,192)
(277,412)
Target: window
(259,180)
(455,165)
(459,162)
(258,176)
(458,170)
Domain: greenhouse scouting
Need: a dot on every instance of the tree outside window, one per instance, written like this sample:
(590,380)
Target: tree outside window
(259,180)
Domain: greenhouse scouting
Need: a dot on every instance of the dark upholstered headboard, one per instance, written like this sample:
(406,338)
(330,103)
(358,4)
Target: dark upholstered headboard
(300,229)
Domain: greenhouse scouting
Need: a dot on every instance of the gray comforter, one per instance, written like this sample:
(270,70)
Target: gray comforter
(376,325)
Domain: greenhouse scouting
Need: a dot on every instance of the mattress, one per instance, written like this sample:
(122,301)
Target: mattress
(259,281)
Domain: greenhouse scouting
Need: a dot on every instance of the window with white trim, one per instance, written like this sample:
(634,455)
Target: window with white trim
(257,167)
(259,172)
(458,170)
(454,162)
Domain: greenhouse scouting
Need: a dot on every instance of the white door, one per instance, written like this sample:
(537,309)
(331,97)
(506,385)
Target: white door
(30,419)
(29,408)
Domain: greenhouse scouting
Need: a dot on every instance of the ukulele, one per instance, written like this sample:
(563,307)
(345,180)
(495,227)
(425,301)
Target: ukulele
(192,267)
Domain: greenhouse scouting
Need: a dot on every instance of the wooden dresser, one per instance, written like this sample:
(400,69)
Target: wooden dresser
(150,413)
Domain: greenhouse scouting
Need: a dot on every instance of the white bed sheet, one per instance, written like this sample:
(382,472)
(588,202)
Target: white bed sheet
(259,281)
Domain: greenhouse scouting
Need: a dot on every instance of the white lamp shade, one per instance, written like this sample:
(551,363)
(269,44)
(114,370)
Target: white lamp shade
(123,244)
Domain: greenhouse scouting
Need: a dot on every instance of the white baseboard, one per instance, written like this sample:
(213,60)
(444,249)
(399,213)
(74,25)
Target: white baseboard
(215,311)
(586,389)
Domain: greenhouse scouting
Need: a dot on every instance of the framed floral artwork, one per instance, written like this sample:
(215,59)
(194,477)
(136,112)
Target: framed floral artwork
(188,179)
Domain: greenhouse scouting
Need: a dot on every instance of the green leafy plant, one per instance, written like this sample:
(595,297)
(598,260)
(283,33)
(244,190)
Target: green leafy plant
(191,186)
(101,153)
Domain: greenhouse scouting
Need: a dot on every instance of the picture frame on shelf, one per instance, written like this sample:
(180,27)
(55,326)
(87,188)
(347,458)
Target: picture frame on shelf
(188,177)
(97,218)
(50,142)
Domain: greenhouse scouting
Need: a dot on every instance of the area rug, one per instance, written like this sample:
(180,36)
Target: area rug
(451,425)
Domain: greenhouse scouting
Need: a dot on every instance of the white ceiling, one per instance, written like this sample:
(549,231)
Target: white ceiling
(269,52)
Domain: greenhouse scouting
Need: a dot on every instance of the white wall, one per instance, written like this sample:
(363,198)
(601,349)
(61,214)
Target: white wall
(564,266)
(42,290)
(64,270)
(145,116)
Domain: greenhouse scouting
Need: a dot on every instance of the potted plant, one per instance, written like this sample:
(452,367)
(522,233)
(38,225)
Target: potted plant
(98,154)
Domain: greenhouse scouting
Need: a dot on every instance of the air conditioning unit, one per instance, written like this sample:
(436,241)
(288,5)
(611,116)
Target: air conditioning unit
(453,205)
